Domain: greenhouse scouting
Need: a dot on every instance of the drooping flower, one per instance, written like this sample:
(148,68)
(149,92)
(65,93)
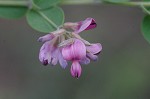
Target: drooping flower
(62,46)
(88,23)
(75,52)
(50,53)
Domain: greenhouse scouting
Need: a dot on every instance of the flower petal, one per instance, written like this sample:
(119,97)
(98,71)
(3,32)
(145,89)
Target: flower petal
(94,48)
(76,51)
(79,49)
(75,69)
(46,52)
(54,61)
(51,35)
(66,52)
(85,61)
(57,56)
(92,56)
(46,38)
(87,24)
(63,63)
(92,24)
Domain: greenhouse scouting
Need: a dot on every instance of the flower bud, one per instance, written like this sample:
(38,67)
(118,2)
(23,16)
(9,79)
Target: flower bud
(78,27)
(75,69)
(51,35)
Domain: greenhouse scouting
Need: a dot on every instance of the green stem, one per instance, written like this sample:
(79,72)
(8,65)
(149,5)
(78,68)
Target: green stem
(137,3)
(68,2)
(14,3)
(145,10)
(48,20)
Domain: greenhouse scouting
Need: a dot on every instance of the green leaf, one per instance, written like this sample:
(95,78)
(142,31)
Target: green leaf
(12,12)
(146,27)
(43,4)
(43,24)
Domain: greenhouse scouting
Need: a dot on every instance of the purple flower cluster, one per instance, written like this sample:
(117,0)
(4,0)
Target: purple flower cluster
(62,46)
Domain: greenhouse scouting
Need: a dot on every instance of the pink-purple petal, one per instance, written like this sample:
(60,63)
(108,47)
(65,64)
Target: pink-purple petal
(94,48)
(85,61)
(46,38)
(43,52)
(76,69)
(46,51)
(92,56)
(56,54)
(54,61)
(79,49)
(76,51)
(92,24)
(87,24)
(66,52)
(63,63)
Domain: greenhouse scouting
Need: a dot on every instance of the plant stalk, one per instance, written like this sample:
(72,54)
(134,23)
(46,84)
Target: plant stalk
(24,3)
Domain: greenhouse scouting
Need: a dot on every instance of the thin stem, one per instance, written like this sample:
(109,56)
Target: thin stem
(14,3)
(145,10)
(68,2)
(137,3)
(48,20)
(146,4)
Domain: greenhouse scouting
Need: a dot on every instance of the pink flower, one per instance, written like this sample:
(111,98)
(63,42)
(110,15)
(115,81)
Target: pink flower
(62,46)
(78,27)
(75,53)
(50,53)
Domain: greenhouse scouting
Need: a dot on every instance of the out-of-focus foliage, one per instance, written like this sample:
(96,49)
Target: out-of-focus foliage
(43,4)
(12,12)
(42,15)
(146,27)
(146,23)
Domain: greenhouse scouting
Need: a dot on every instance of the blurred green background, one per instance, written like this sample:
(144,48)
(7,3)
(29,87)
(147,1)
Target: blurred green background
(122,71)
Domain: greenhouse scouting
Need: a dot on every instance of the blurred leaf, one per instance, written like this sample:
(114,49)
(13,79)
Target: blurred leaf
(12,12)
(43,4)
(39,23)
(146,27)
